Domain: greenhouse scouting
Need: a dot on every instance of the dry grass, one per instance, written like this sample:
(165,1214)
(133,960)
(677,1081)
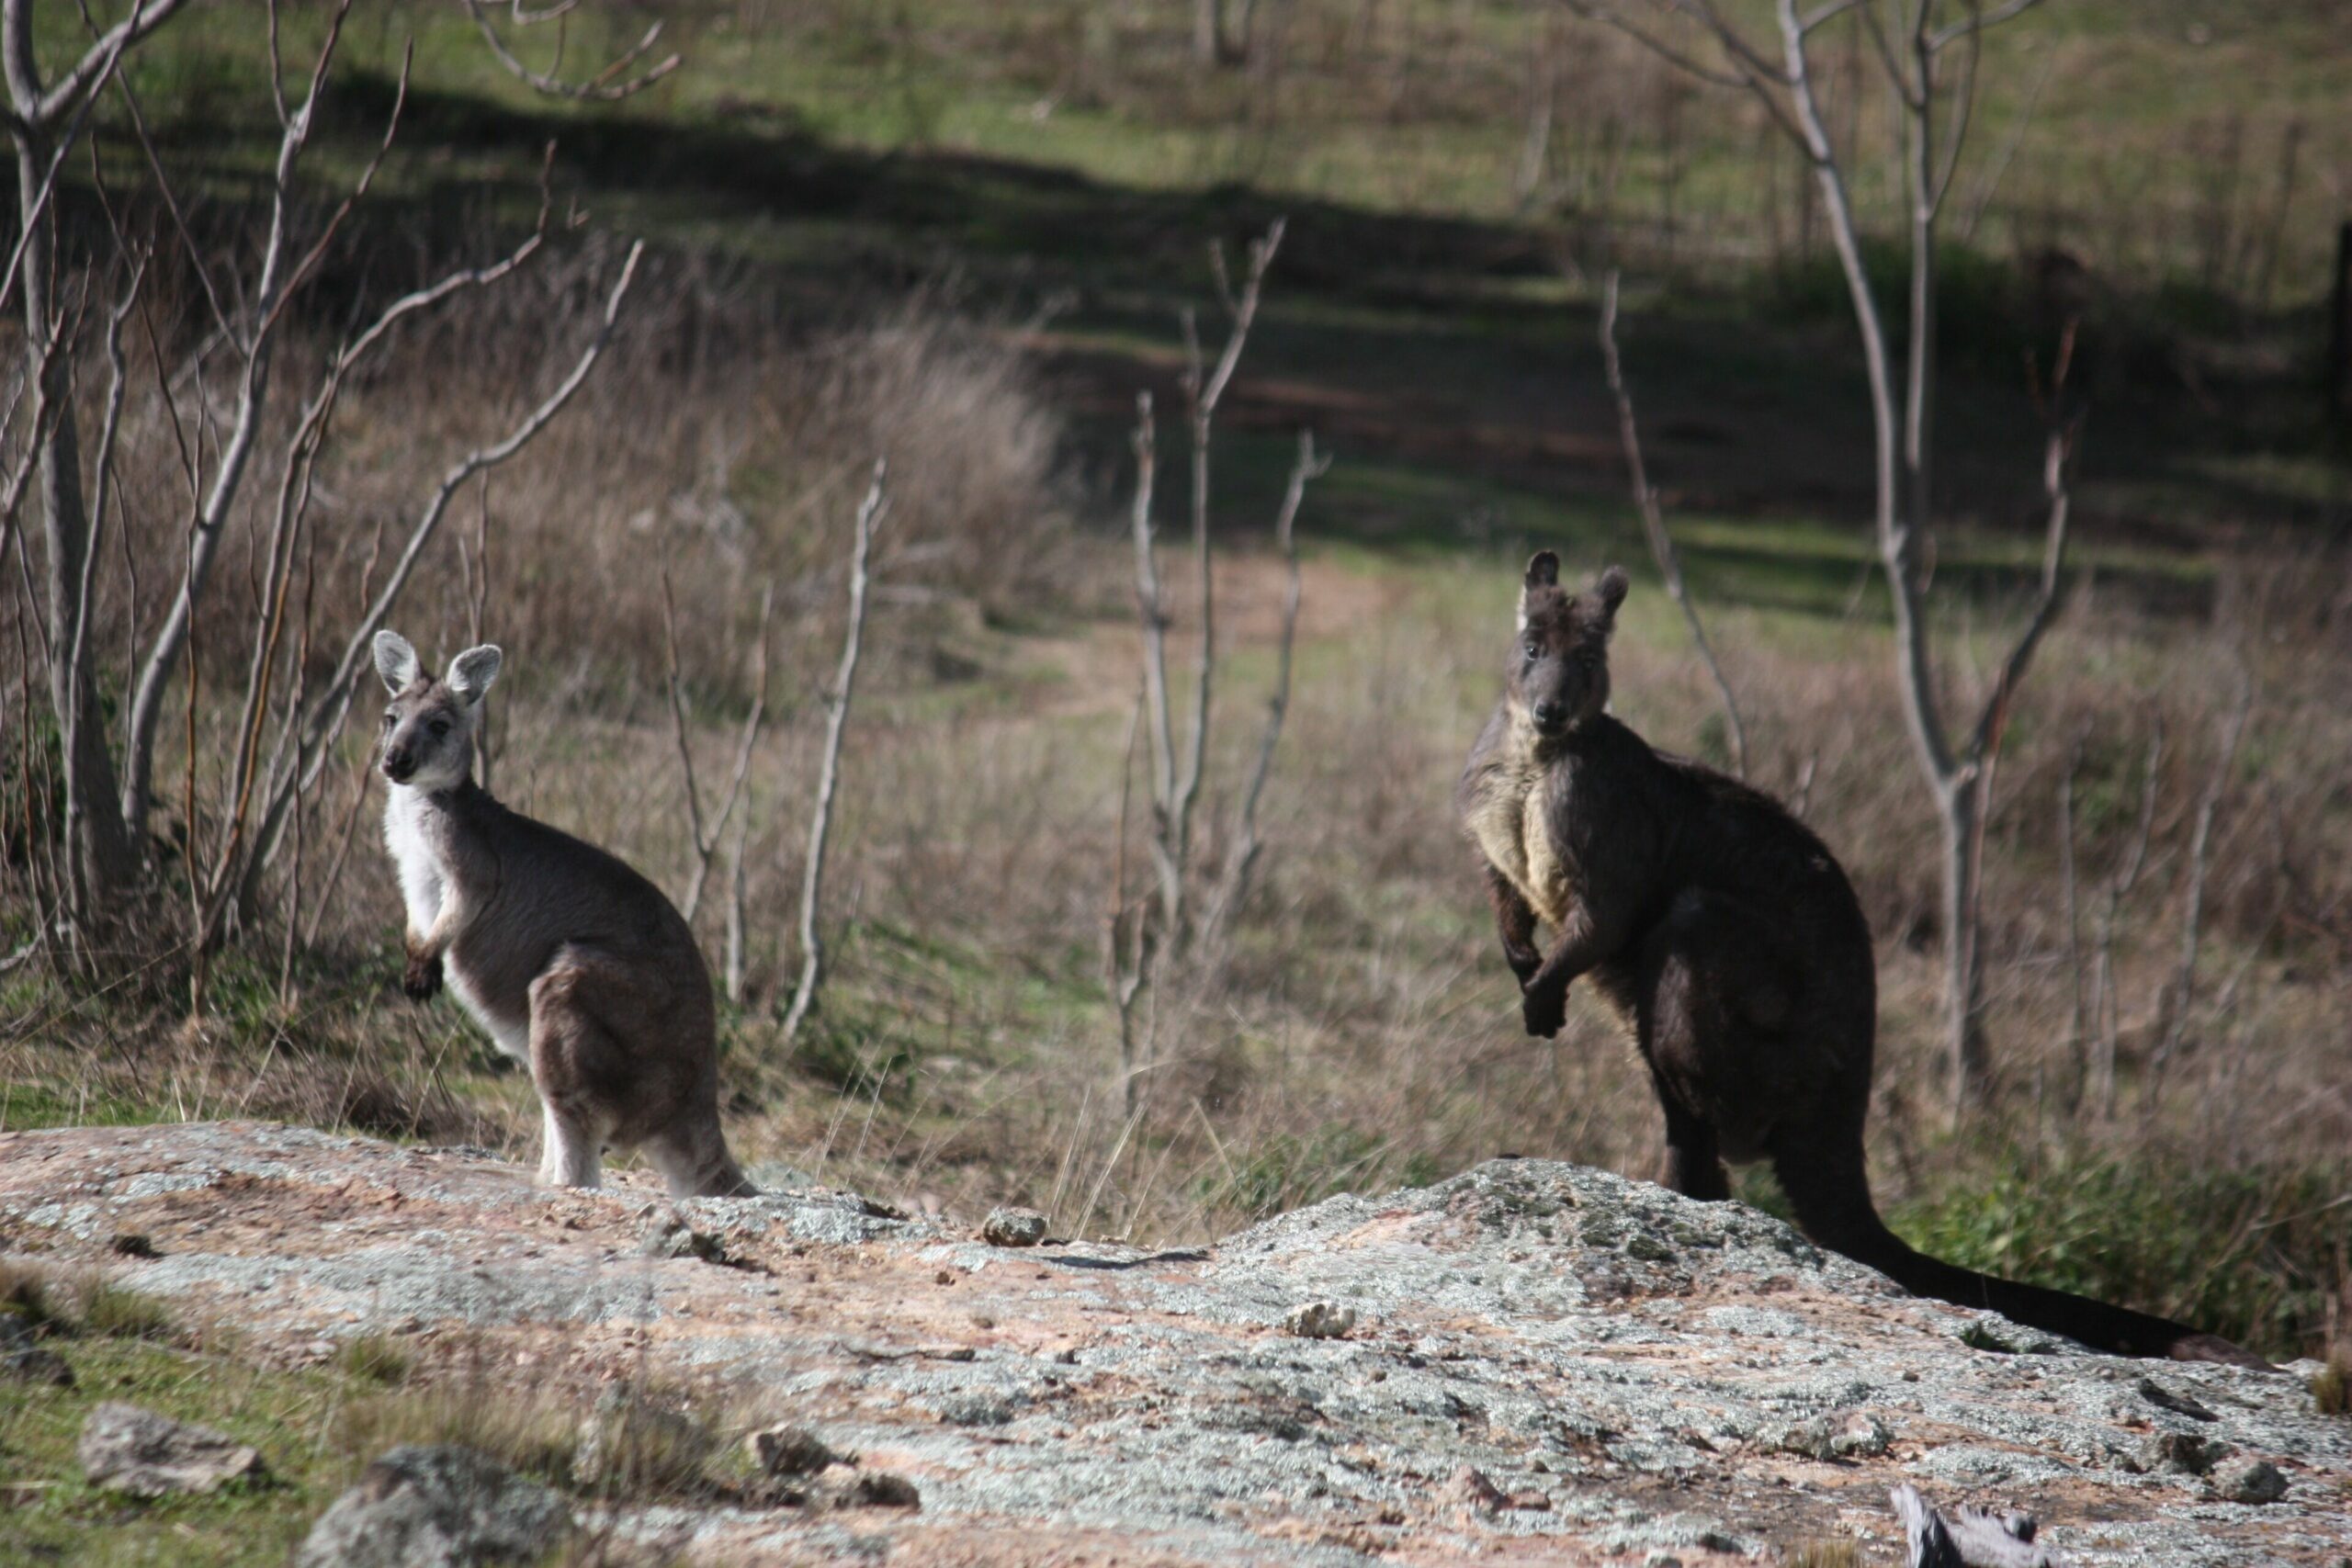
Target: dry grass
(2332,1385)
(633,1444)
(1823,1553)
(71,1303)
(533,1433)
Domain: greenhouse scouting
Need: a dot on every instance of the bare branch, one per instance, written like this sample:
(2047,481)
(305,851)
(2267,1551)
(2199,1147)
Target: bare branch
(820,819)
(2057,461)
(1662,550)
(1306,468)
(86,75)
(1125,975)
(207,525)
(2105,1009)
(1203,391)
(608,86)
(707,845)
(319,726)
(1980,21)
(2192,919)
(1151,612)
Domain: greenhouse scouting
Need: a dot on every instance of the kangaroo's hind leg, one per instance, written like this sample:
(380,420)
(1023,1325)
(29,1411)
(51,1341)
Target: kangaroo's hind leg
(1711,996)
(692,1157)
(581,1069)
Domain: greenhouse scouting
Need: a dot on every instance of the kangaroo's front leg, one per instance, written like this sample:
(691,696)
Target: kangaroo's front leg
(1515,921)
(1544,999)
(421,976)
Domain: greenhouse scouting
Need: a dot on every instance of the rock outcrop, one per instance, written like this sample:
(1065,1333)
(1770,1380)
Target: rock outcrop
(432,1506)
(139,1453)
(1623,1375)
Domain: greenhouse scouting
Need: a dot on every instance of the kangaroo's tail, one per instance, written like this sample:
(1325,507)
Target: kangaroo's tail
(1831,1195)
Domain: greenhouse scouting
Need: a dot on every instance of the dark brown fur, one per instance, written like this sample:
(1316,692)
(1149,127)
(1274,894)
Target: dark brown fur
(1726,937)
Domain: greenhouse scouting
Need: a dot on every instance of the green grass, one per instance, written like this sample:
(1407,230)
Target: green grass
(57,1518)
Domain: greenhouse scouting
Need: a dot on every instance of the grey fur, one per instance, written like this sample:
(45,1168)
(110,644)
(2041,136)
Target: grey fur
(572,962)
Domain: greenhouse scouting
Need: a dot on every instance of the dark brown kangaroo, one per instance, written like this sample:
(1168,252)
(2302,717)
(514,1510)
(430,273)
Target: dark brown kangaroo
(1727,938)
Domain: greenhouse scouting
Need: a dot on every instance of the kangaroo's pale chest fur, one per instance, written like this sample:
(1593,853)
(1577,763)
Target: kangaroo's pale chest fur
(1511,826)
(410,829)
(417,833)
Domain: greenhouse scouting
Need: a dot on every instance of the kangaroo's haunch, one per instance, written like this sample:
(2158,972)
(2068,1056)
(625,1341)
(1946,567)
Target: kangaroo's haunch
(1726,937)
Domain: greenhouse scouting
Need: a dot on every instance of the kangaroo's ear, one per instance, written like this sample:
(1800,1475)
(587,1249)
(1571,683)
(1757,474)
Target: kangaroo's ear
(1610,589)
(471,672)
(1542,571)
(396,661)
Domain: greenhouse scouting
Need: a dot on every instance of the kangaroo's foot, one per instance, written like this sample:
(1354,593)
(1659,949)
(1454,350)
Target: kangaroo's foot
(572,1155)
(694,1162)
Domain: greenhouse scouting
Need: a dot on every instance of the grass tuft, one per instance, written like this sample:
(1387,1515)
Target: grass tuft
(1824,1552)
(374,1358)
(2332,1385)
(85,1302)
(530,1433)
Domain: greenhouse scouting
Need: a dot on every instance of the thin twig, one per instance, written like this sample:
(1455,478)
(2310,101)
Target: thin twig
(2192,919)
(820,819)
(603,87)
(1306,468)
(1662,550)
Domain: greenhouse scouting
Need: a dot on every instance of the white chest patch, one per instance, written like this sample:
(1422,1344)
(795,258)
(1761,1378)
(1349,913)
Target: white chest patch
(1508,823)
(418,864)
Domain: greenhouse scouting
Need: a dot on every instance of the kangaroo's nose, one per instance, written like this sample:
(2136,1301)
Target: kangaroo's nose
(399,764)
(1548,713)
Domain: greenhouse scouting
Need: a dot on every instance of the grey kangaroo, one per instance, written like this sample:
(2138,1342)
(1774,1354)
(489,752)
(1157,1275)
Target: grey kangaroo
(576,965)
(1725,937)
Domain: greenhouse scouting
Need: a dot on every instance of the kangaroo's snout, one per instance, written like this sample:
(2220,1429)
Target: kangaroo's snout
(399,765)
(1550,717)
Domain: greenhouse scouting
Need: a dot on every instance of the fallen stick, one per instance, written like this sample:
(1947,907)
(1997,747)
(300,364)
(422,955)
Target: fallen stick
(1970,1538)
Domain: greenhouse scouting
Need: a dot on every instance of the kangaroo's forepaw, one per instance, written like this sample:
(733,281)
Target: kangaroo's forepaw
(1545,1012)
(1524,962)
(422,977)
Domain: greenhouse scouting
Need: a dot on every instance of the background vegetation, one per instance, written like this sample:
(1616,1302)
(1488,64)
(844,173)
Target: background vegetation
(959,234)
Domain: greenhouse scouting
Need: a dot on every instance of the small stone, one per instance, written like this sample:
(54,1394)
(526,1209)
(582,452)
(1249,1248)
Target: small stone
(1809,1438)
(1860,1435)
(789,1450)
(2163,1398)
(2247,1480)
(881,1489)
(667,1235)
(130,1243)
(2183,1453)
(1470,1489)
(436,1506)
(1014,1228)
(1319,1320)
(128,1450)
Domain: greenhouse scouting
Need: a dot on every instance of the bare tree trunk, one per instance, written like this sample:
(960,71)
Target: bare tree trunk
(1965,1049)
(102,864)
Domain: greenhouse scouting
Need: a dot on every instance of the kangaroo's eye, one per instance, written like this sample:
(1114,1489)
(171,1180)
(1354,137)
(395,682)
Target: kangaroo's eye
(1532,651)
(391,719)
(440,728)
